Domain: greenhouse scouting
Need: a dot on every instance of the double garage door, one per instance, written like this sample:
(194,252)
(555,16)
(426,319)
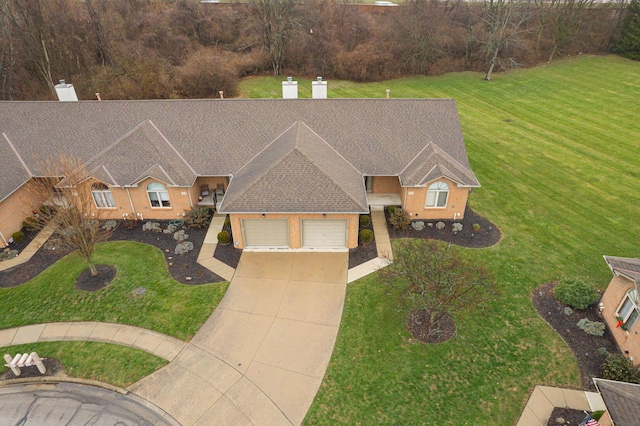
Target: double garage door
(315,233)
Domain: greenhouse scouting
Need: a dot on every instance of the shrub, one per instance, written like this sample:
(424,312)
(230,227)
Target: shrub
(184,247)
(576,293)
(476,227)
(417,225)
(227,222)
(152,226)
(180,236)
(110,225)
(224,238)
(456,227)
(440,225)
(198,217)
(31,223)
(365,236)
(365,220)
(400,219)
(18,236)
(617,367)
(391,209)
(593,328)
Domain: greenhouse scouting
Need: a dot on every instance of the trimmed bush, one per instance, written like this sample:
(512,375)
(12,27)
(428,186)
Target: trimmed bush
(392,209)
(400,219)
(31,223)
(594,328)
(476,227)
(617,367)
(224,238)
(18,236)
(365,220)
(227,222)
(576,293)
(365,236)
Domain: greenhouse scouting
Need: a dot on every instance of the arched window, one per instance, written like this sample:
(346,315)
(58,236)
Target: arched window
(628,309)
(437,194)
(102,195)
(158,195)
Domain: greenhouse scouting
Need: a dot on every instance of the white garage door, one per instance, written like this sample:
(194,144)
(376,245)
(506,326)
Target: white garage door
(324,233)
(263,233)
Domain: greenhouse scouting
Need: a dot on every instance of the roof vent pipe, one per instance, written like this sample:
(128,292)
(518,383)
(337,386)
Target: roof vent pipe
(289,89)
(66,92)
(319,89)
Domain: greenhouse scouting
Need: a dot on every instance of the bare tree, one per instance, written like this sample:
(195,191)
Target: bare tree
(436,279)
(7,53)
(568,18)
(278,21)
(504,21)
(68,207)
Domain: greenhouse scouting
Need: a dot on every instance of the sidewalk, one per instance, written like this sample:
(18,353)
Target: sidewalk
(544,399)
(29,250)
(155,343)
(383,245)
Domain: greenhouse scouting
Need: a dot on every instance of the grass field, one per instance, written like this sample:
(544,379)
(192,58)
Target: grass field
(118,365)
(167,307)
(556,149)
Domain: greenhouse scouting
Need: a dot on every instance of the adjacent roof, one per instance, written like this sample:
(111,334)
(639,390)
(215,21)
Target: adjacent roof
(325,146)
(622,401)
(628,267)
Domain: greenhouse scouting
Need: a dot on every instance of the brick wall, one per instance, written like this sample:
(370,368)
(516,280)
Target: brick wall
(414,202)
(612,297)
(13,210)
(295,226)
(386,185)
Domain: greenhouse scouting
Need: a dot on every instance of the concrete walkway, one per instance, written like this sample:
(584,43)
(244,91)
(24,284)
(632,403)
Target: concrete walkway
(158,344)
(383,246)
(544,399)
(205,257)
(261,356)
(29,250)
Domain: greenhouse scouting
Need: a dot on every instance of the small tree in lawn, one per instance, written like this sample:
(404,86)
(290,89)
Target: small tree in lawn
(435,281)
(69,209)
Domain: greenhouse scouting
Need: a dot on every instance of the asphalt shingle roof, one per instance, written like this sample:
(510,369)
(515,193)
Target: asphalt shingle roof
(627,266)
(622,401)
(177,140)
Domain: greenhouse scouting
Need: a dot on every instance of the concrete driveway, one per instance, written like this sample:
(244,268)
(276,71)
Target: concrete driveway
(261,356)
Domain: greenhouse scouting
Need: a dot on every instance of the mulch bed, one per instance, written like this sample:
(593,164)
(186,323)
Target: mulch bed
(52,365)
(87,282)
(227,253)
(365,251)
(184,269)
(584,346)
(566,416)
(487,236)
(419,326)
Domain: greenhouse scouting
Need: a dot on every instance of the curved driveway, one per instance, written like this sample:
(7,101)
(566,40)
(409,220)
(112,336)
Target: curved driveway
(261,356)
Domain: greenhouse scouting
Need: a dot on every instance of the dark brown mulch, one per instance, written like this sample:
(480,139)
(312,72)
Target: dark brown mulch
(184,266)
(53,366)
(419,325)
(87,282)
(228,254)
(487,236)
(364,252)
(566,416)
(584,346)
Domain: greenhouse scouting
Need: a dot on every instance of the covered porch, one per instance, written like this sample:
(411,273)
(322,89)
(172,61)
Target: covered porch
(383,199)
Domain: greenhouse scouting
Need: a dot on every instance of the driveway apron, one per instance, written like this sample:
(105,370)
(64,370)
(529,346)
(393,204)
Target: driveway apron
(260,358)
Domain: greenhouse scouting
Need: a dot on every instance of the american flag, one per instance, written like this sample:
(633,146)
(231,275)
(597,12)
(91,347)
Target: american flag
(589,421)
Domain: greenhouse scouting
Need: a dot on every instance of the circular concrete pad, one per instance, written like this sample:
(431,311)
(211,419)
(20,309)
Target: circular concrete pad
(75,404)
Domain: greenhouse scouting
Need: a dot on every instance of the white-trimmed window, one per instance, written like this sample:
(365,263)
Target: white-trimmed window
(437,194)
(158,195)
(102,195)
(628,311)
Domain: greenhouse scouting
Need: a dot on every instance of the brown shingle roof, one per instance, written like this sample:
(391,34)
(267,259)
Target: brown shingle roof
(622,401)
(432,163)
(14,172)
(182,139)
(297,172)
(627,266)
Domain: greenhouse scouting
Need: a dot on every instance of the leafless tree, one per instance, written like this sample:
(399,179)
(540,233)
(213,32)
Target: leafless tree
(568,17)
(277,20)
(436,278)
(68,207)
(504,21)
(7,53)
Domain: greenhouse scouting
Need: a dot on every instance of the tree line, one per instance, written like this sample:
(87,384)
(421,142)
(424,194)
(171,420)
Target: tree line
(133,49)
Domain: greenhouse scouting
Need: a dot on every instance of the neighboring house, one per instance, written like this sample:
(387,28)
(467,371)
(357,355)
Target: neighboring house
(620,304)
(622,401)
(291,173)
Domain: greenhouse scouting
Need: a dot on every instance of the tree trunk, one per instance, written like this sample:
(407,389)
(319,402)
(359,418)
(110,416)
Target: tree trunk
(93,269)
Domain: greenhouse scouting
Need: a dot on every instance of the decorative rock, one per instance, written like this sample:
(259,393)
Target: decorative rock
(188,278)
(170,257)
(139,291)
(170,263)
(167,250)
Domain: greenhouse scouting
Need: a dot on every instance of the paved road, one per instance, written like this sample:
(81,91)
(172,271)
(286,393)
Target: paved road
(70,404)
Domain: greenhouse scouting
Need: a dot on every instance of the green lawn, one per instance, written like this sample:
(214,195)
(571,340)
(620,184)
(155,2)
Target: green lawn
(118,365)
(556,149)
(167,307)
